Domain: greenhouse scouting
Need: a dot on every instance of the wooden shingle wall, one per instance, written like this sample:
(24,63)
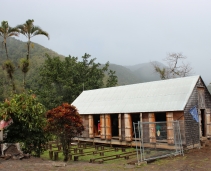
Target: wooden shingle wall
(191,126)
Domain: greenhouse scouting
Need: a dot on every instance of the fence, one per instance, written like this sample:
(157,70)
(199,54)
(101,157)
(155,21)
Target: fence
(158,139)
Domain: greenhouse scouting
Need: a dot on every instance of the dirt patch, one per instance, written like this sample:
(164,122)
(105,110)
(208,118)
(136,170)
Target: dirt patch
(194,160)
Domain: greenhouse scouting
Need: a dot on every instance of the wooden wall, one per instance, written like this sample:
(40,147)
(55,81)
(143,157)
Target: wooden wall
(192,128)
(145,118)
(85,119)
(128,127)
(179,115)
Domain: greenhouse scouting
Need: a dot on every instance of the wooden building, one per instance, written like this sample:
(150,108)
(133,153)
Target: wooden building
(113,110)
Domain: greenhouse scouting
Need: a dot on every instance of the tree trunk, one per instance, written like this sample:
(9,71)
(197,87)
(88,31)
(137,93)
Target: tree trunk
(28,50)
(5,45)
(24,81)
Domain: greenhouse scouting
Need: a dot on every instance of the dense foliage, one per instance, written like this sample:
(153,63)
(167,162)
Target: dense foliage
(63,80)
(29,121)
(66,123)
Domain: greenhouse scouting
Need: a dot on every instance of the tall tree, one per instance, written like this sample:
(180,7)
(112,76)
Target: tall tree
(29,30)
(175,67)
(5,32)
(63,80)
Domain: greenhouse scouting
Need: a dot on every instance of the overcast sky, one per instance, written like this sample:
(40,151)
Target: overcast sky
(124,32)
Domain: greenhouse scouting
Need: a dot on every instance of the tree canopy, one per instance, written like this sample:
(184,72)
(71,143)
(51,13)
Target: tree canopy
(65,122)
(61,81)
(29,121)
(175,67)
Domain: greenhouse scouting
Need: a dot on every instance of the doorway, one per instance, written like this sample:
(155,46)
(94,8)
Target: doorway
(135,118)
(203,121)
(114,125)
(96,122)
(161,127)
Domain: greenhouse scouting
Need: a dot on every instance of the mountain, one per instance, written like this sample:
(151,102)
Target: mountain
(136,73)
(145,72)
(125,75)
(16,50)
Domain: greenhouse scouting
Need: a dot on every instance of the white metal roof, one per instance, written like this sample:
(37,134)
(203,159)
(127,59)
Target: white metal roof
(156,96)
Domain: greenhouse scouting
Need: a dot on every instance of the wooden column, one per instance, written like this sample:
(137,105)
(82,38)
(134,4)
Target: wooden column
(91,126)
(128,127)
(141,120)
(200,125)
(152,129)
(141,125)
(102,126)
(85,119)
(170,130)
(119,126)
(207,112)
(108,126)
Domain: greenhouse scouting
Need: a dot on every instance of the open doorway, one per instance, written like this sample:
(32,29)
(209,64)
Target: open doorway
(135,118)
(114,125)
(203,121)
(161,127)
(96,121)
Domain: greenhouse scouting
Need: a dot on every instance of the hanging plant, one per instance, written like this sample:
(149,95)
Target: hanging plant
(9,67)
(24,65)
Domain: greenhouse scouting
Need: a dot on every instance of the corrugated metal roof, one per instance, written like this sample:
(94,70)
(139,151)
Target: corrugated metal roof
(156,96)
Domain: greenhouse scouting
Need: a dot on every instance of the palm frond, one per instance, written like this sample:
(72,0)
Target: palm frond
(13,29)
(4,25)
(35,29)
(29,30)
(38,31)
(13,34)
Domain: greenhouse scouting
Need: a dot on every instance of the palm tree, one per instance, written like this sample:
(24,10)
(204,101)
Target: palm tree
(29,30)
(7,31)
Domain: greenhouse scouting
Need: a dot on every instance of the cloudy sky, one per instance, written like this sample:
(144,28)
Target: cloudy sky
(124,32)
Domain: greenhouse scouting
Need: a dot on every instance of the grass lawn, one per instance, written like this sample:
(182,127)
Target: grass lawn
(88,153)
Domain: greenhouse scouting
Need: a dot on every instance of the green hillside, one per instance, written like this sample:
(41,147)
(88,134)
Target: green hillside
(16,50)
(125,75)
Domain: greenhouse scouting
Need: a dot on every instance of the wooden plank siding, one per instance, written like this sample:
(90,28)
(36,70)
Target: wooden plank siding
(145,118)
(91,126)
(120,126)
(85,119)
(128,127)
(152,129)
(170,130)
(208,120)
(108,126)
(102,127)
(179,116)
